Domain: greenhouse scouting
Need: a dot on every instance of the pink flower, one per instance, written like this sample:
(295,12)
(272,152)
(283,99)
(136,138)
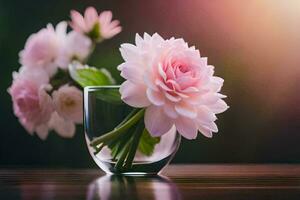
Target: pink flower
(94,25)
(76,47)
(174,83)
(63,127)
(42,49)
(31,103)
(68,103)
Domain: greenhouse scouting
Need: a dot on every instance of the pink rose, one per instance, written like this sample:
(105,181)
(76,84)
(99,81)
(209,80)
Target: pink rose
(42,49)
(87,23)
(174,83)
(31,103)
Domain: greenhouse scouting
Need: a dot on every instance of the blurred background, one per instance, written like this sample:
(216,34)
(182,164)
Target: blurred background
(254,45)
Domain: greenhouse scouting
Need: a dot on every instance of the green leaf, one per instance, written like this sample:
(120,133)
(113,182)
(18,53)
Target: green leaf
(147,143)
(85,75)
(91,77)
(109,95)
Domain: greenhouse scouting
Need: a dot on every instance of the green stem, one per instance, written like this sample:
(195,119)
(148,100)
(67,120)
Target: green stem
(136,139)
(120,142)
(127,117)
(118,131)
(123,156)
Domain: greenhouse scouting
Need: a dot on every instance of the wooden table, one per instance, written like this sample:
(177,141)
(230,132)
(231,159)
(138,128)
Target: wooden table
(204,182)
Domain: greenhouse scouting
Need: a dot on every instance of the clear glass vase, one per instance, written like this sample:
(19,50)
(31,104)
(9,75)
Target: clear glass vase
(102,114)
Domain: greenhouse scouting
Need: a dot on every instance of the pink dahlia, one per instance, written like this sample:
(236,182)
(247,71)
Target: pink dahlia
(31,102)
(175,85)
(94,25)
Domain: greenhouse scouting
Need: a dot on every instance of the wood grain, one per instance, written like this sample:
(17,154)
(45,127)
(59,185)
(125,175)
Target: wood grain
(207,182)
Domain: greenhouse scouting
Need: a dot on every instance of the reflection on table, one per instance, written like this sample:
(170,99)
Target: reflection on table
(132,187)
(179,182)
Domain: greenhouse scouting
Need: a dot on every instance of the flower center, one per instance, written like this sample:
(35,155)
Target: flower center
(179,75)
(183,68)
(70,102)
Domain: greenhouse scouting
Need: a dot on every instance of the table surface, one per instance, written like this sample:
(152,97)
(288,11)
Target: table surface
(205,182)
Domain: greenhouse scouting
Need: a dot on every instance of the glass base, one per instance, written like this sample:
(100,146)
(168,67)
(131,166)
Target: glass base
(137,168)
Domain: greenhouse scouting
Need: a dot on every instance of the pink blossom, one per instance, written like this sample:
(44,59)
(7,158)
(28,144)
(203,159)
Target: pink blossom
(31,103)
(76,47)
(63,127)
(101,26)
(42,49)
(68,103)
(174,83)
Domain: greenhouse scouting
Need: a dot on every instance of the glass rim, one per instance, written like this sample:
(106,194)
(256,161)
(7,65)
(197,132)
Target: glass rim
(95,88)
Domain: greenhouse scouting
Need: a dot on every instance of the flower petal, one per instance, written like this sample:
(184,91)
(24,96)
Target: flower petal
(219,107)
(172,98)
(157,38)
(213,127)
(205,131)
(77,23)
(129,52)
(156,122)
(42,131)
(191,90)
(186,110)
(155,97)
(170,110)
(105,17)
(161,71)
(138,40)
(63,127)
(162,85)
(134,94)
(149,81)
(132,72)
(216,83)
(186,127)
(147,37)
(205,115)
(209,99)
(90,16)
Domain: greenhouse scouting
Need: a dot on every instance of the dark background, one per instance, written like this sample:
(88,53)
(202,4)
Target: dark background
(254,45)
